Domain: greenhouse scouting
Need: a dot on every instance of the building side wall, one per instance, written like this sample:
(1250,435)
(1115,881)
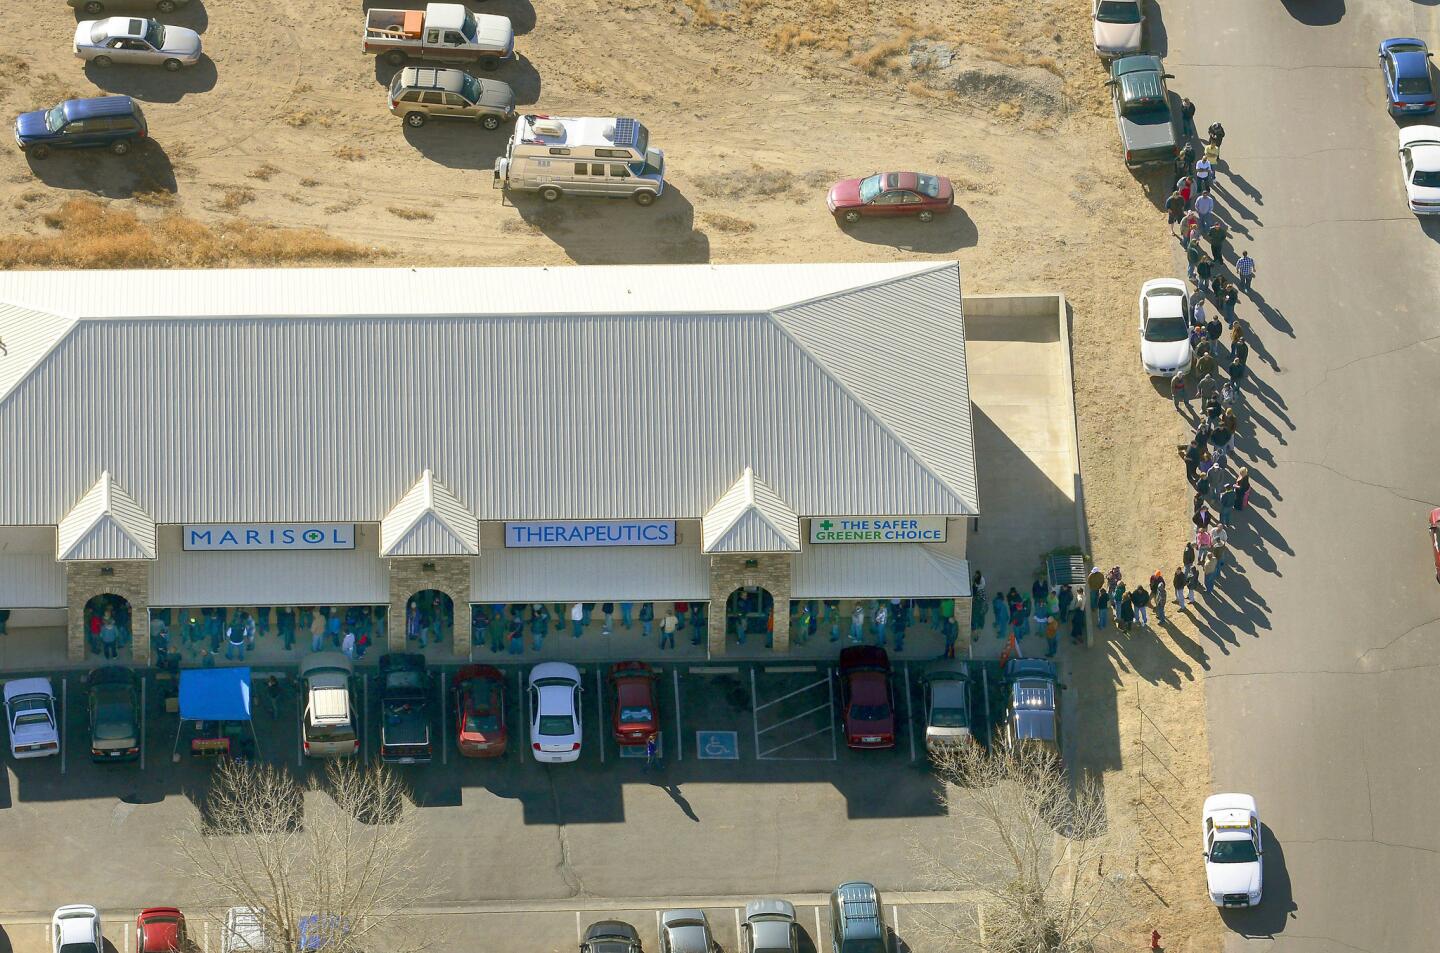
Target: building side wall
(447,574)
(728,572)
(129,579)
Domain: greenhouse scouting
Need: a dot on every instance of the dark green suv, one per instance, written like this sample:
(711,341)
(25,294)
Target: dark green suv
(857,923)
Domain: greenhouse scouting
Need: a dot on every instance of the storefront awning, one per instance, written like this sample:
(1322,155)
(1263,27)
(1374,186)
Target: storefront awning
(591,574)
(879,571)
(276,578)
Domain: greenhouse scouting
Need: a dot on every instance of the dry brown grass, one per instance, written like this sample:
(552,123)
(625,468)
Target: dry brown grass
(789,37)
(264,172)
(921,91)
(309,183)
(155,197)
(880,57)
(410,214)
(90,234)
(701,14)
(729,224)
(24,199)
(757,182)
(350,153)
(234,196)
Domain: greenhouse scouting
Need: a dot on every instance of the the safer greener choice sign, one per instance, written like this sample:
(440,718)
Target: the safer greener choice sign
(877,529)
(240,537)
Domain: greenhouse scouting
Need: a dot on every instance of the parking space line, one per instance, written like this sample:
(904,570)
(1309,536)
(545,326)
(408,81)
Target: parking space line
(909,713)
(894,918)
(830,696)
(365,718)
(776,701)
(64,720)
(520,701)
(579,934)
(657,922)
(817,944)
(754,712)
(795,718)
(819,731)
(444,720)
(736,911)
(142,722)
(300,724)
(600,710)
(126,935)
(679,728)
(207,934)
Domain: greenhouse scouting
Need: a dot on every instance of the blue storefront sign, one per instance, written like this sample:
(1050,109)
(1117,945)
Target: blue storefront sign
(533,533)
(247,536)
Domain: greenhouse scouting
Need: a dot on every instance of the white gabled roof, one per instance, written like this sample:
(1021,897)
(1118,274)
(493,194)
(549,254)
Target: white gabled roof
(105,524)
(429,521)
(540,393)
(751,518)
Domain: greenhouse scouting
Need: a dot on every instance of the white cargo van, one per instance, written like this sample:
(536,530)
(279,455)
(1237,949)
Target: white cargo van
(556,156)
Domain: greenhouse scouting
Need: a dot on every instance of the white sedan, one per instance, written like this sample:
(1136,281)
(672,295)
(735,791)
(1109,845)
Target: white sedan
(1164,331)
(1119,25)
(30,714)
(555,726)
(136,40)
(75,928)
(1420,166)
(1234,862)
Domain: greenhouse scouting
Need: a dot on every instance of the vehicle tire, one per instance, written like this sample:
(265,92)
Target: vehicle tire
(101,62)
(851,217)
(39,151)
(395,58)
(644,198)
(120,147)
(94,6)
(490,121)
(165,6)
(927,216)
(550,194)
(415,120)
(489,64)
(173,65)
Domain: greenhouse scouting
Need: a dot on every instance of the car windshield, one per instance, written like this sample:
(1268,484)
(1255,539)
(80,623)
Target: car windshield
(481,721)
(55,118)
(1233,852)
(556,725)
(99,33)
(470,88)
(948,718)
(863,945)
(1118,11)
(1426,180)
(155,34)
(871,187)
(869,712)
(113,720)
(468,27)
(1167,329)
(409,679)
(1410,85)
(635,713)
(928,185)
(78,948)
(330,733)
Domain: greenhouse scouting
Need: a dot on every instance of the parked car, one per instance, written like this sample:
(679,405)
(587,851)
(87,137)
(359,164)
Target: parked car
(132,40)
(610,936)
(1119,26)
(244,931)
(946,695)
(75,928)
(1142,110)
(866,697)
(1435,539)
(161,930)
(30,715)
(419,92)
(1420,166)
(96,7)
(769,927)
(686,931)
(327,726)
(1234,850)
(104,122)
(446,32)
(555,724)
(1032,712)
(317,933)
(1164,328)
(890,194)
(480,730)
(857,920)
(114,714)
(636,715)
(1405,65)
(404,709)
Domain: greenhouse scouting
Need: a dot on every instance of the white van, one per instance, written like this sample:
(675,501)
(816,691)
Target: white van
(244,931)
(556,156)
(329,721)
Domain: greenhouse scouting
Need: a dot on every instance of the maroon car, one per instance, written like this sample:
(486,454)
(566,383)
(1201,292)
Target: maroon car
(891,193)
(480,711)
(636,715)
(865,697)
(1435,539)
(160,930)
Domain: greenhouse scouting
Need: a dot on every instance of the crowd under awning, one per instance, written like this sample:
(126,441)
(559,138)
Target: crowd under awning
(874,571)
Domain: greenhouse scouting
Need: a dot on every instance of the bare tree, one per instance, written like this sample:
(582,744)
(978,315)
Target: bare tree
(340,853)
(1034,854)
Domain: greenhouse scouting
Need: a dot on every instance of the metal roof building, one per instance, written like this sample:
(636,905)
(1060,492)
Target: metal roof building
(430,409)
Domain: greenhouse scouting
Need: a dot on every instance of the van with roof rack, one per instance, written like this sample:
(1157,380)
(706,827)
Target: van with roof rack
(557,156)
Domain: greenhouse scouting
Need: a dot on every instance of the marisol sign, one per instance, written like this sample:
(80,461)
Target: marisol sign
(590,533)
(248,536)
(877,529)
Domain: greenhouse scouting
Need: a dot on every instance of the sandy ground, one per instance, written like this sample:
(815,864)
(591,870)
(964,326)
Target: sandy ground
(759,105)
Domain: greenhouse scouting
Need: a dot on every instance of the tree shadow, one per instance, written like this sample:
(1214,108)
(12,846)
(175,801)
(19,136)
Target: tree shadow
(145,169)
(154,84)
(1316,12)
(1277,905)
(594,230)
(947,233)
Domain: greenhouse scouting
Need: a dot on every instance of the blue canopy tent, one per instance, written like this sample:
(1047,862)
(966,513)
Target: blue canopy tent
(213,695)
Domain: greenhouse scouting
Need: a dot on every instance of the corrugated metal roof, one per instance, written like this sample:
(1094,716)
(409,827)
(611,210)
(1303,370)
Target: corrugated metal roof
(279,577)
(105,524)
(751,518)
(618,574)
(27,336)
(879,571)
(576,393)
(429,521)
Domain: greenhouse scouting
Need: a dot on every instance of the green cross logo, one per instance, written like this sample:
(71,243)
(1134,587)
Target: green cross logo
(826,525)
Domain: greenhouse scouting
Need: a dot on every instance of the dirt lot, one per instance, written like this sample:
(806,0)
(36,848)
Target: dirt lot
(759,104)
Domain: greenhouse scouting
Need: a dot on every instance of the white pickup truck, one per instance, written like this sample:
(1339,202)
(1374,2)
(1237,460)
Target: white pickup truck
(446,32)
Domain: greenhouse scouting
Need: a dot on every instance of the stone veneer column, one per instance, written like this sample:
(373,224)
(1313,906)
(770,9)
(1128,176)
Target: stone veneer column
(729,572)
(448,574)
(127,578)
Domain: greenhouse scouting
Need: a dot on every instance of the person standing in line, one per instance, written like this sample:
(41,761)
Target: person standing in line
(607,617)
(1187,116)
(1212,152)
(1193,251)
(1204,364)
(881,623)
(539,625)
(979,595)
(1192,583)
(1217,134)
(317,630)
(1002,614)
(625,614)
(1216,235)
(1019,618)
(668,627)
(1210,568)
(682,611)
(650,749)
(1140,596)
(697,620)
(857,624)
(234,640)
(1192,460)
(1102,612)
(1220,546)
(1052,632)
(515,634)
(273,693)
(1077,622)
(1204,271)
(1237,372)
(332,627)
(1240,351)
(1064,601)
(1186,187)
(1125,613)
(1204,178)
(1229,297)
(577,619)
(347,644)
(1157,595)
(1174,209)
(1095,582)
(1197,311)
(557,610)
(110,638)
(1242,489)
(1227,503)
(1205,207)
(647,617)
(1177,393)
(1245,268)
(1178,581)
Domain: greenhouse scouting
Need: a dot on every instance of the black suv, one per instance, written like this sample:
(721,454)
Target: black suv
(404,709)
(857,924)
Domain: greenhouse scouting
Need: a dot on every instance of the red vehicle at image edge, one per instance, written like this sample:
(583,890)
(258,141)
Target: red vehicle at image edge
(866,697)
(1435,539)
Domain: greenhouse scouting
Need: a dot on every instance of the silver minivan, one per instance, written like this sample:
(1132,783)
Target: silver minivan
(419,92)
(328,725)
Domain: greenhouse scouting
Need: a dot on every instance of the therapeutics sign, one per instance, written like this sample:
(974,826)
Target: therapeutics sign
(253,537)
(590,533)
(877,529)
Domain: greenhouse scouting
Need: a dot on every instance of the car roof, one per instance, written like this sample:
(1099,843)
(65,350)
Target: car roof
(432,77)
(864,655)
(323,660)
(556,700)
(869,688)
(611,928)
(554,670)
(28,686)
(1411,64)
(1038,724)
(402,662)
(120,26)
(98,106)
(77,923)
(468,672)
(948,693)
(1033,667)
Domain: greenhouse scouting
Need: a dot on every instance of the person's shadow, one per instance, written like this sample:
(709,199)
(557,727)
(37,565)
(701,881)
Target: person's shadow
(673,790)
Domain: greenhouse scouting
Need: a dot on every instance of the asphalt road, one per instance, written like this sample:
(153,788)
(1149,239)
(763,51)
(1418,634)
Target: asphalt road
(1322,687)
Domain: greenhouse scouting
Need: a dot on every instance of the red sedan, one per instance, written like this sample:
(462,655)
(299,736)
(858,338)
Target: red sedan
(636,716)
(160,930)
(480,711)
(890,194)
(1435,539)
(865,697)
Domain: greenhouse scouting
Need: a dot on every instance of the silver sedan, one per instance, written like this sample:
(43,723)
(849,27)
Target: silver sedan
(136,40)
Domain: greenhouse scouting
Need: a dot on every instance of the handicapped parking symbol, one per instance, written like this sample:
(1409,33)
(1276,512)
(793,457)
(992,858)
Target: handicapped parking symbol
(717,745)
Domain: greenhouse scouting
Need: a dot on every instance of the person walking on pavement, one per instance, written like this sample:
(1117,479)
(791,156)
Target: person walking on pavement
(650,749)
(1140,596)
(1157,595)
(1217,134)
(577,619)
(1187,116)
(1177,392)
(1204,178)
(1174,208)
(1205,207)
(1245,268)
(1210,568)
(1216,235)
(1242,489)
(272,695)
(1002,615)
(668,627)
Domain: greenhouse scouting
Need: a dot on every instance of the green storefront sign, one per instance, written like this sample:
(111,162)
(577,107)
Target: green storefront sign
(877,529)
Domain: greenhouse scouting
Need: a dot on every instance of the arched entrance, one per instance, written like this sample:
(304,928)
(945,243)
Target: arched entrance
(750,614)
(429,619)
(108,625)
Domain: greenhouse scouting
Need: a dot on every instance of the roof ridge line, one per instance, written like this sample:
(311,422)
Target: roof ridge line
(41,358)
